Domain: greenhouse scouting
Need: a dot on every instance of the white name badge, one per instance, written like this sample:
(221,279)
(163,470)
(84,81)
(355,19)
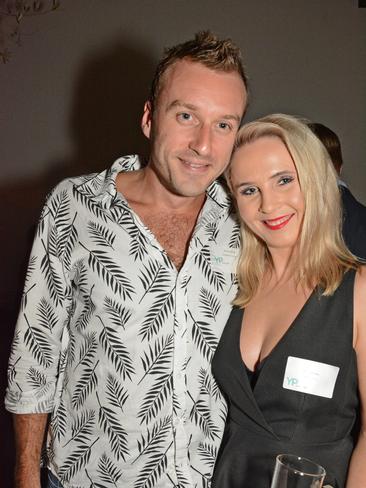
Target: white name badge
(310,377)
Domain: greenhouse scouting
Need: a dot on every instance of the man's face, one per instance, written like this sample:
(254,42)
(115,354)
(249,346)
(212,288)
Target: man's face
(193,127)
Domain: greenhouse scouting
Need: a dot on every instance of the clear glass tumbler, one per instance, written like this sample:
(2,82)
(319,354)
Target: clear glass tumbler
(297,472)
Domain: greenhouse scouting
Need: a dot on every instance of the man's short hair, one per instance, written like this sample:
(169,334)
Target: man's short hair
(331,142)
(206,48)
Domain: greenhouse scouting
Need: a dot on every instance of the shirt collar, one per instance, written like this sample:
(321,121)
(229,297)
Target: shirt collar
(101,187)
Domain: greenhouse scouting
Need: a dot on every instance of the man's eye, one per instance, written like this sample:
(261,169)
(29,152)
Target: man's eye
(224,126)
(248,191)
(184,116)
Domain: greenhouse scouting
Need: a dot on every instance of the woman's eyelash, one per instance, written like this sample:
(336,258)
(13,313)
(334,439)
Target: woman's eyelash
(286,179)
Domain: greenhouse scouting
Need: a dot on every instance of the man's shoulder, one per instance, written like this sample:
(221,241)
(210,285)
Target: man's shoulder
(97,184)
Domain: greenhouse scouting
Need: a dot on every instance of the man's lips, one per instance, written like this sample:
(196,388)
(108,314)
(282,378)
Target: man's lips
(194,166)
(278,223)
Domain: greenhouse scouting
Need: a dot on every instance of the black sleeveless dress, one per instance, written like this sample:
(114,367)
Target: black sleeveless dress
(268,419)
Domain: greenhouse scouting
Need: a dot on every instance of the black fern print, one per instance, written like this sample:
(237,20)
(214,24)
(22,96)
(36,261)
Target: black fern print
(234,242)
(37,342)
(108,471)
(87,313)
(82,427)
(156,397)
(38,381)
(138,246)
(157,314)
(208,453)
(75,462)
(212,230)
(46,315)
(154,278)
(203,337)
(116,351)
(86,200)
(116,393)
(110,273)
(152,471)
(159,357)
(183,482)
(118,314)
(87,350)
(86,384)
(155,438)
(53,280)
(30,270)
(101,235)
(200,415)
(67,240)
(59,208)
(111,425)
(204,380)
(59,422)
(208,385)
(80,278)
(209,304)
(215,278)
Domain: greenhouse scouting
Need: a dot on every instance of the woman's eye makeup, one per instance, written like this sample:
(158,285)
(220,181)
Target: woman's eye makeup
(284,180)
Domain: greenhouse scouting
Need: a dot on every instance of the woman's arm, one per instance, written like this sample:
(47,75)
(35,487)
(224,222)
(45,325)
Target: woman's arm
(357,471)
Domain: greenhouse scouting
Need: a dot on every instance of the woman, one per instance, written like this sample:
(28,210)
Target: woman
(291,360)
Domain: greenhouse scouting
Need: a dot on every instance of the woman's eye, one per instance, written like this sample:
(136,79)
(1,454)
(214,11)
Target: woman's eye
(285,180)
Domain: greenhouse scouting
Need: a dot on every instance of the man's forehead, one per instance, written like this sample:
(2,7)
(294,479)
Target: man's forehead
(189,76)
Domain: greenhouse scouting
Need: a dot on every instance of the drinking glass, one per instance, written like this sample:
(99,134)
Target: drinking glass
(297,472)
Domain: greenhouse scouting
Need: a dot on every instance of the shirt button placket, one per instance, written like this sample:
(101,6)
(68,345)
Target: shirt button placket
(179,374)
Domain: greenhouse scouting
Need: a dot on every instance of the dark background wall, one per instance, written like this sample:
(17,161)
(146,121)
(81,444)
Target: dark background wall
(72,95)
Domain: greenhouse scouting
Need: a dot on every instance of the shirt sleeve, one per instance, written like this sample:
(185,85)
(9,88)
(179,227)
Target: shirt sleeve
(36,357)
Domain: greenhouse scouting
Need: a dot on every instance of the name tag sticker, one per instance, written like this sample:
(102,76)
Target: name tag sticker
(225,258)
(310,377)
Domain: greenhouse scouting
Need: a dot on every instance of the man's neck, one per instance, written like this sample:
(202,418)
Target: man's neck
(143,188)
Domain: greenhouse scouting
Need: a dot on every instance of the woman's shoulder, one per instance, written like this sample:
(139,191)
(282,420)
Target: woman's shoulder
(361,275)
(360,295)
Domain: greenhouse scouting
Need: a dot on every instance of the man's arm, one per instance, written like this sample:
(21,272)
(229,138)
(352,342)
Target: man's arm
(29,434)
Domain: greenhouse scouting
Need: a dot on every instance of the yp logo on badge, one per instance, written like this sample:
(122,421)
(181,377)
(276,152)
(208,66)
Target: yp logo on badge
(310,377)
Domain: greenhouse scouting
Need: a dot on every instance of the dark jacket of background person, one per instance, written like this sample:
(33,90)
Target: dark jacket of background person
(354,213)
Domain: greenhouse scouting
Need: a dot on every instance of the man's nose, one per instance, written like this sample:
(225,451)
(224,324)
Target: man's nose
(201,140)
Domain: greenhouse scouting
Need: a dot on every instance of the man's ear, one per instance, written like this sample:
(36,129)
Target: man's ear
(146,120)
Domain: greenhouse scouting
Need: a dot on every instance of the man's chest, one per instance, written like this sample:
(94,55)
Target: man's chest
(173,233)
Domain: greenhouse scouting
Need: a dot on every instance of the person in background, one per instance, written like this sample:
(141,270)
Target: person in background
(292,357)
(129,285)
(354,213)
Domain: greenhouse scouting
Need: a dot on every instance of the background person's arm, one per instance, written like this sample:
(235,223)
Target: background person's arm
(29,434)
(357,470)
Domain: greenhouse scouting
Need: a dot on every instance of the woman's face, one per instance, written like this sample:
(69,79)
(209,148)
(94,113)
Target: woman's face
(266,188)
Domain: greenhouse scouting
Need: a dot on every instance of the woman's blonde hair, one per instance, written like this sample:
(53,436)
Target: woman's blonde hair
(323,257)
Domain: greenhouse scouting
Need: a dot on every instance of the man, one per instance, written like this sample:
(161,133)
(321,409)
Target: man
(354,218)
(128,289)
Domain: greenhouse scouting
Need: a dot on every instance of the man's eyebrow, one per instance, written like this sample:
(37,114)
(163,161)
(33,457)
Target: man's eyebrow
(190,106)
(180,103)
